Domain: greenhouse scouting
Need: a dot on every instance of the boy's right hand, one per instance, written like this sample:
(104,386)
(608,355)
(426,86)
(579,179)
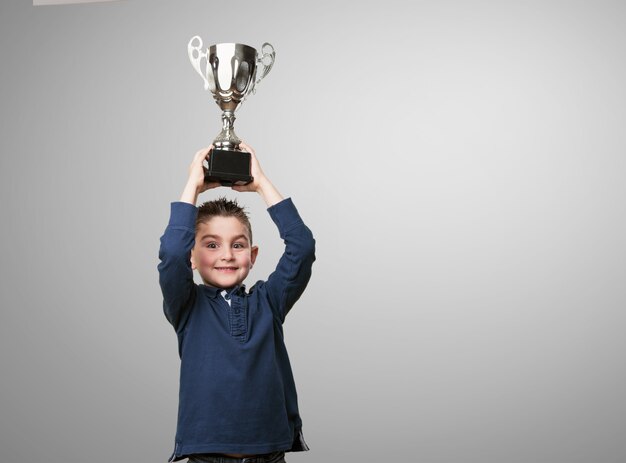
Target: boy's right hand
(197,171)
(195,183)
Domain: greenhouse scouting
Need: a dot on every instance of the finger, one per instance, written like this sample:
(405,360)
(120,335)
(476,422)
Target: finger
(247,147)
(201,154)
(252,153)
(203,151)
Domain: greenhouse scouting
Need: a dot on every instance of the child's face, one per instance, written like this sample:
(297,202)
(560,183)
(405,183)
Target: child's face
(222,253)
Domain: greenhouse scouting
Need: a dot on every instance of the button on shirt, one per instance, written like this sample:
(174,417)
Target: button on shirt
(237,392)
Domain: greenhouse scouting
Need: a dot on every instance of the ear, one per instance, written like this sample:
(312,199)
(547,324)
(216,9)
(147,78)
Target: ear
(253,253)
(193,263)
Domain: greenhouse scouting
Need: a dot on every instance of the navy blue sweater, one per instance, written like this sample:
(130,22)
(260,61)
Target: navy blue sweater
(237,393)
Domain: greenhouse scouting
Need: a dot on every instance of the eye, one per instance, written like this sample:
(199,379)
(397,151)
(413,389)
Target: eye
(211,245)
(239,245)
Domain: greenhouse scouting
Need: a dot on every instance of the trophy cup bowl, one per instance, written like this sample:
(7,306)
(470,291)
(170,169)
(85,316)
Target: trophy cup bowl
(230,72)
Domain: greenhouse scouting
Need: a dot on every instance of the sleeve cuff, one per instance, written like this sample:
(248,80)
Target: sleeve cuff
(183,214)
(284,214)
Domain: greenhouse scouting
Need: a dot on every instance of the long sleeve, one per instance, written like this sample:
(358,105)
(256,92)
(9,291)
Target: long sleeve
(287,282)
(175,273)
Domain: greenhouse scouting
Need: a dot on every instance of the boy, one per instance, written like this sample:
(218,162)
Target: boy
(237,397)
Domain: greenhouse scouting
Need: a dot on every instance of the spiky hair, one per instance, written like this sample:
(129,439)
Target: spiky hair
(223,207)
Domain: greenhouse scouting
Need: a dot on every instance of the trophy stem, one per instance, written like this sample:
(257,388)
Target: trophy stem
(227,139)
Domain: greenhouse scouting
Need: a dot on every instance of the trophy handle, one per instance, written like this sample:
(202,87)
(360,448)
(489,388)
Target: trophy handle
(195,61)
(266,67)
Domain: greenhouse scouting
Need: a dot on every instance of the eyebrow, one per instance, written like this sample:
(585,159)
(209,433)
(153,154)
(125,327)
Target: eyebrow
(219,237)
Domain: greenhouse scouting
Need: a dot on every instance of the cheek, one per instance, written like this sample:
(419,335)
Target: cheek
(204,258)
(244,259)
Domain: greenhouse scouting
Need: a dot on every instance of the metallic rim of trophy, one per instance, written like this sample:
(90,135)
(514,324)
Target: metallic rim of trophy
(229,71)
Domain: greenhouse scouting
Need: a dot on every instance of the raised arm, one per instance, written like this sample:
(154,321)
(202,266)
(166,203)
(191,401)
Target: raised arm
(175,272)
(287,283)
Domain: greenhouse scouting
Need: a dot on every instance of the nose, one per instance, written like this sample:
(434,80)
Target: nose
(227,254)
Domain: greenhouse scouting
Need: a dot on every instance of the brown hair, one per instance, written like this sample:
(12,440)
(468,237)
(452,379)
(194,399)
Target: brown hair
(224,208)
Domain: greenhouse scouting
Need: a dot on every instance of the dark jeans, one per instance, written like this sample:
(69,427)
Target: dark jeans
(274,457)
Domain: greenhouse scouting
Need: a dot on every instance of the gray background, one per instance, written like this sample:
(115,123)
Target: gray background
(460,163)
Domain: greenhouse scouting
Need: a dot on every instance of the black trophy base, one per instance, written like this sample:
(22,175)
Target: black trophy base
(228,167)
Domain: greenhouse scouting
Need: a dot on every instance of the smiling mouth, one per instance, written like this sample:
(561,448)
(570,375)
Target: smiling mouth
(226,269)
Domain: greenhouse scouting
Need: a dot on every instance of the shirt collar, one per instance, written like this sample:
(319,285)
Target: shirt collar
(213,292)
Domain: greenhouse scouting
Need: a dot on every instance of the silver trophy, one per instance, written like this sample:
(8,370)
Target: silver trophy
(230,72)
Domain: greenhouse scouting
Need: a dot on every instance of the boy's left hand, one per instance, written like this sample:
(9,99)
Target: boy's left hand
(261,184)
(255,170)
